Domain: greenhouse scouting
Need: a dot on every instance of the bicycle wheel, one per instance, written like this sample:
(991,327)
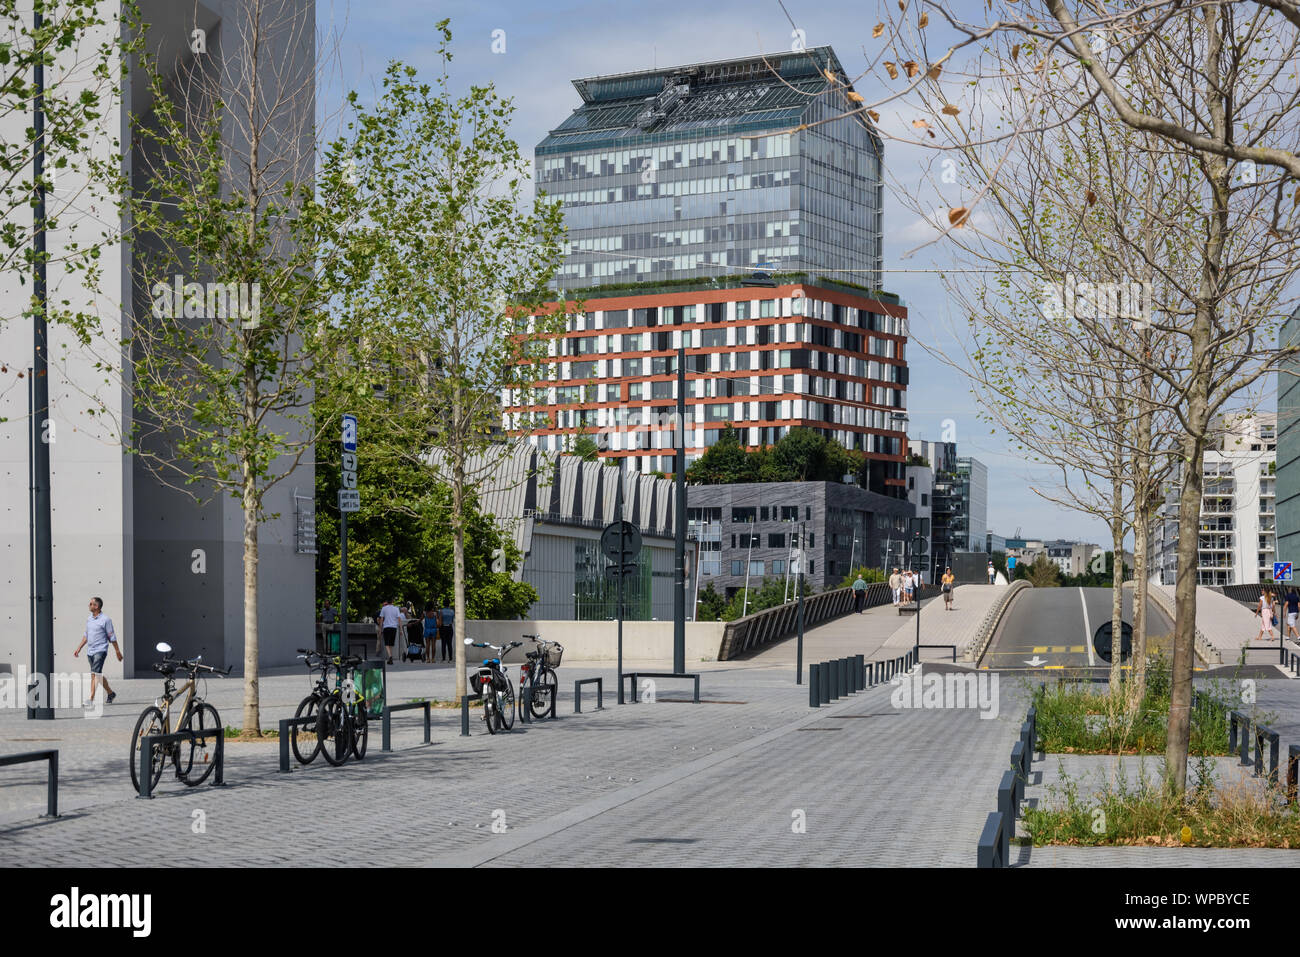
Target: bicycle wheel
(332,730)
(544,690)
(303,739)
(489,712)
(198,756)
(149,722)
(506,706)
(360,729)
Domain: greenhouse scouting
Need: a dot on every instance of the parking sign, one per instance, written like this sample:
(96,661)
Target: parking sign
(1281,571)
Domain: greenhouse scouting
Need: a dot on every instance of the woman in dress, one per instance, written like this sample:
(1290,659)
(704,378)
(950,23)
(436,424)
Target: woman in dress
(1265,612)
(948,580)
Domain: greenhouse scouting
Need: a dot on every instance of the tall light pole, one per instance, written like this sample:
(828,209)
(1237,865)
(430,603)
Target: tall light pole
(42,534)
(744,608)
(679,550)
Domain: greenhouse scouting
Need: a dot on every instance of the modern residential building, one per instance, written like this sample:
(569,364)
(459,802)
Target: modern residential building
(1237,540)
(716,168)
(814,354)
(970,496)
(166,568)
(1288,445)
(920,492)
(941,458)
(994,543)
(555,508)
(1072,558)
(750,531)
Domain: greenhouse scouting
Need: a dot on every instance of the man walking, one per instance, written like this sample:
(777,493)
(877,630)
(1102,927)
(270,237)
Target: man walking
(97,637)
(390,619)
(1292,612)
(859,594)
(896,585)
(993,575)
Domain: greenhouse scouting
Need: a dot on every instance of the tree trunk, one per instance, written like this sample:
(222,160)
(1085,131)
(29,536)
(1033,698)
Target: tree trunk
(458,546)
(1178,736)
(1116,587)
(252,711)
(1138,663)
(1143,497)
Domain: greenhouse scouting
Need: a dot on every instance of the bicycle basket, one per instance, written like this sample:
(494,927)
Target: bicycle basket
(554,652)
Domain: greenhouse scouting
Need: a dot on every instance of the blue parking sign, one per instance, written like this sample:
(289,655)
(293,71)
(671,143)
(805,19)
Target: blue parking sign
(349,433)
(1281,571)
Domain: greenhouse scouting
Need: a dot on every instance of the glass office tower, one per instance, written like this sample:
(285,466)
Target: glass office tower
(704,170)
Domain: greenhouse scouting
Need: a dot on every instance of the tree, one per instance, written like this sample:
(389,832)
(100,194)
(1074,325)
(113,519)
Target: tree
(1042,572)
(712,605)
(585,448)
(868,575)
(225,368)
(400,543)
(725,462)
(460,273)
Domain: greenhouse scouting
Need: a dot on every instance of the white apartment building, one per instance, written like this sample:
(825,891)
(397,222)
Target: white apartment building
(1237,542)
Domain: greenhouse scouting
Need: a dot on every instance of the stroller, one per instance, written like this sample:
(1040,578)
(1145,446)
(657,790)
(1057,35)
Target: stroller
(414,641)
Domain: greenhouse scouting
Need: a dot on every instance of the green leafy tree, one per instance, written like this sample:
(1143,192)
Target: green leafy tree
(1043,572)
(868,575)
(725,462)
(585,448)
(711,605)
(459,265)
(770,593)
(224,372)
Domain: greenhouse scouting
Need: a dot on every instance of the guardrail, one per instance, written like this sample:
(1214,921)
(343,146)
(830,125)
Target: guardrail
(1208,652)
(51,774)
(1265,733)
(992,618)
(994,846)
(781,621)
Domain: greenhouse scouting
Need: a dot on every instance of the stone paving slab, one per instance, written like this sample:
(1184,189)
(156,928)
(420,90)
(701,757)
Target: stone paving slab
(579,786)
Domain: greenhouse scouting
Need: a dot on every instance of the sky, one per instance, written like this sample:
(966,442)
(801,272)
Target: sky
(541,48)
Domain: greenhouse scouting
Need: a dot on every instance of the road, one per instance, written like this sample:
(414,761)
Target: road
(1051,629)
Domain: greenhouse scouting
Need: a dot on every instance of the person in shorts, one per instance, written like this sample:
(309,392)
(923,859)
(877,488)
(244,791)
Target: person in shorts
(96,639)
(390,619)
(948,581)
(1292,613)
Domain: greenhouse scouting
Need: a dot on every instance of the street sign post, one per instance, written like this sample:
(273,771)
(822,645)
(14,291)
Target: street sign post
(349,501)
(1281,571)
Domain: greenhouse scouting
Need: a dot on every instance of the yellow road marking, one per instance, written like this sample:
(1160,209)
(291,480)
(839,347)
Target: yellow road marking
(1041,649)
(1053,667)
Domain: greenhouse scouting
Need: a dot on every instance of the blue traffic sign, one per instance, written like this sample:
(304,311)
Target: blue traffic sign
(1281,571)
(349,433)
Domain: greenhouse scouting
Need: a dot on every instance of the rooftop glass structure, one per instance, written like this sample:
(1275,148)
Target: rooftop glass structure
(714,169)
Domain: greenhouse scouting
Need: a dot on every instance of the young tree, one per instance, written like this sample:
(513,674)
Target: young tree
(460,270)
(225,367)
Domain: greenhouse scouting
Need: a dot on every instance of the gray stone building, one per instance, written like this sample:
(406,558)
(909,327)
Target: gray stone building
(556,506)
(751,530)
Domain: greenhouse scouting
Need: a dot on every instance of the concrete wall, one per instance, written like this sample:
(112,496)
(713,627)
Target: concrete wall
(598,640)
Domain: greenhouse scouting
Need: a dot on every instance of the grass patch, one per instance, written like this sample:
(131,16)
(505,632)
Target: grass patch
(1244,814)
(238,734)
(1079,718)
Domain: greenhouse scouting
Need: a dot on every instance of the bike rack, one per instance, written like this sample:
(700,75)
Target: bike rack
(409,706)
(154,740)
(577,694)
(51,779)
(285,725)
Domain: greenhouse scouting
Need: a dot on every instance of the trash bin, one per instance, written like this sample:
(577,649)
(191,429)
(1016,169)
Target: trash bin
(370,681)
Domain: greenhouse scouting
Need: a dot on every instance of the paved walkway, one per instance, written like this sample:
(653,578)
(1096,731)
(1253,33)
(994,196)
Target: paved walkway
(939,626)
(752,775)
(1225,625)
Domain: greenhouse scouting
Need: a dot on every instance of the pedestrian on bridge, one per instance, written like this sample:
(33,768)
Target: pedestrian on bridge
(859,594)
(948,580)
(1292,613)
(896,586)
(1265,613)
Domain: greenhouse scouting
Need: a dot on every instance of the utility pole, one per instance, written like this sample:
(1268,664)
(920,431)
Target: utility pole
(42,534)
(803,557)
(679,518)
(619,571)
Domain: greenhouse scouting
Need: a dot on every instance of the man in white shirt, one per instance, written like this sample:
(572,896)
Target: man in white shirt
(99,635)
(896,585)
(390,619)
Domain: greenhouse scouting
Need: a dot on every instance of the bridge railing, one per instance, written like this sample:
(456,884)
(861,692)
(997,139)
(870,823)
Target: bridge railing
(781,621)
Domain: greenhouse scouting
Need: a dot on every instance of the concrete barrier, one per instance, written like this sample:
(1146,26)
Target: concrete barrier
(598,640)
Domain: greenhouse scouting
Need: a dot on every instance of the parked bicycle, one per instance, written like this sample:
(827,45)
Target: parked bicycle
(540,667)
(341,719)
(303,739)
(492,683)
(193,758)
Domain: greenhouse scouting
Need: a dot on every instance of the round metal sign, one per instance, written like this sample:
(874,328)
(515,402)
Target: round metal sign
(1103,638)
(631,547)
